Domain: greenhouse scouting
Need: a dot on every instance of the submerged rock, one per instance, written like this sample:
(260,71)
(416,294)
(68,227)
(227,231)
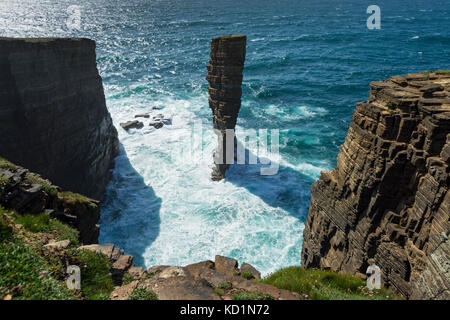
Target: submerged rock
(142,115)
(156,124)
(132,125)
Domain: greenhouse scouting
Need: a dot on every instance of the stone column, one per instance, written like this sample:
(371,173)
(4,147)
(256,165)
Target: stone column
(225,68)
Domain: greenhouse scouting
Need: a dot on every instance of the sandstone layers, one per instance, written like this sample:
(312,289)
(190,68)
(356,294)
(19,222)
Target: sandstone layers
(53,116)
(225,68)
(388,198)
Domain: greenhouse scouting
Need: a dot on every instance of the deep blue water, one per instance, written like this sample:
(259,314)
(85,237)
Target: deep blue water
(308,63)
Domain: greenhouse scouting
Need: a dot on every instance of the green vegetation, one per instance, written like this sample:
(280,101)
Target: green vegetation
(74,198)
(427,74)
(143,294)
(50,189)
(5,164)
(325,285)
(443,71)
(26,275)
(5,229)
(127,279)
(252,296)
(96,280)
(225,285)
(391,104)
(219,291)
(43,223)
(247,275)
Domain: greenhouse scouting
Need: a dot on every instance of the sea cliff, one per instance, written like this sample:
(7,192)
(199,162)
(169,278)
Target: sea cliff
(53,115)
(388,198)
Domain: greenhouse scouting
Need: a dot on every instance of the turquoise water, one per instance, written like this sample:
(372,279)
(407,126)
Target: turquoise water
(308,63)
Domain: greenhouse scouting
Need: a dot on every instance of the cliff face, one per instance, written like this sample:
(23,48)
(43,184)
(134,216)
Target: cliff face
(225,80)
(53,116)
(388,198)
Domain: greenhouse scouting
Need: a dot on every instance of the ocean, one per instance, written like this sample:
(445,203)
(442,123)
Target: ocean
(308,62)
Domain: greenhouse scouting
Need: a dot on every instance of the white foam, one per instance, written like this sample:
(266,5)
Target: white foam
(197,218)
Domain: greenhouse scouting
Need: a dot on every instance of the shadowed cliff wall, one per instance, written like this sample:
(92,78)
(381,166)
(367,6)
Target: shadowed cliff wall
(53,116)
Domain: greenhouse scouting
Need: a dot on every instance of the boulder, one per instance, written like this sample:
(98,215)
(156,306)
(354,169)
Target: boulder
(57,245)
(123,292)
(132,125)
(156,124)
(137,272)
(225,265)
(105,248)
(181,288)
(142,115)
(245,267)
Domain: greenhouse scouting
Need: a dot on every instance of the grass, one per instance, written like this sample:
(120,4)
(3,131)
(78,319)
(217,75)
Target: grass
(43,223)
(443,71)
(225,285)
(325,285)
(143,294)
(96,280)
(26,275)
(247,275)
(252,296)
(127,279)
(74,198)
(5,164)
(50,189)
(219,291)
(5,229)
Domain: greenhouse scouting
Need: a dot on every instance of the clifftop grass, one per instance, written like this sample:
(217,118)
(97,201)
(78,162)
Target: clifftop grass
(316,284)
(26,272)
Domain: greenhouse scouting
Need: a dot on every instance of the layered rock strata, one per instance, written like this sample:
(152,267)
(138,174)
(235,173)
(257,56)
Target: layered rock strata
(53,116)
(225,68)
(388,198)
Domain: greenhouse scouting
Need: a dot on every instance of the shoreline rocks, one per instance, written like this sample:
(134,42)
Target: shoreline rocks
(206,280)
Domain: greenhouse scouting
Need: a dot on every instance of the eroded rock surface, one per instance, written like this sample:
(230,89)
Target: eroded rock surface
(388,198)
(206,280)
(53,116)
(225,68)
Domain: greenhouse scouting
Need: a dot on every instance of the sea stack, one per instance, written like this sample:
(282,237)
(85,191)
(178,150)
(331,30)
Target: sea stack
(388,199)
(225,68)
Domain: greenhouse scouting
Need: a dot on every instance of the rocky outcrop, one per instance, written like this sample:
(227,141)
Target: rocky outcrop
(53,116)
(388,198)
(28,193)
(206,280)
(225,68)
